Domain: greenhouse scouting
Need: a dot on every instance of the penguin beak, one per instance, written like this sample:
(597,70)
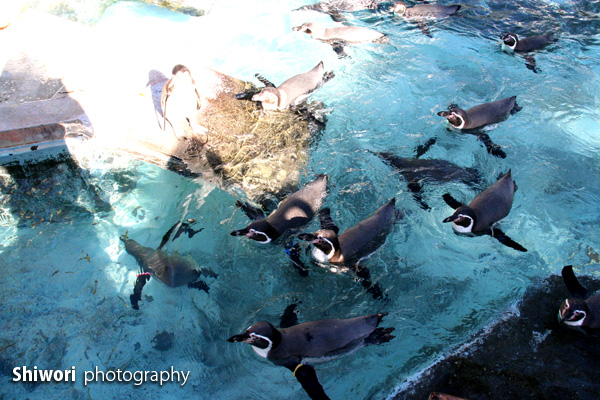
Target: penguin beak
(243,337)
(308,237)
(240,232)
(445,114)
(451,218)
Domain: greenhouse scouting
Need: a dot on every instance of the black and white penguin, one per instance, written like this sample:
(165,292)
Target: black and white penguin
(180,102)
(487,208)
(579,311)
(293,212)
(335,8)
(527,45)
(341,32)
(299,346)
(424,10)
(294,90)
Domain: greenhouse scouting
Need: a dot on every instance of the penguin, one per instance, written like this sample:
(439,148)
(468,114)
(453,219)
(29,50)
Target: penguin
(335,8)
(526,45)
(487,208)
(424,10)
(357,242)
(579,311)
(293,212)
(417,170)
(294,90)
(173,270)
(340,32)
(180,102)
(299,346)
(480,116)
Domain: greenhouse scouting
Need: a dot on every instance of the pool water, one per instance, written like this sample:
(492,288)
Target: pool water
(67,279)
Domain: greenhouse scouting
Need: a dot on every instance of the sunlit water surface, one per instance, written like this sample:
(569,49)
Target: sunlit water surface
(62,309)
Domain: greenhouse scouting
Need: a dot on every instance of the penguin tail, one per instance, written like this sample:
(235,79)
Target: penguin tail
(379,336)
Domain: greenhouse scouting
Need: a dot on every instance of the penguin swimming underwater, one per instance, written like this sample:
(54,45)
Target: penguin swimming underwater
(335,8)
(487,208)
(579,311)
(180,102)
(480,116)
(423,11)
(526,45)
(294,90)
(357,242)
(298,346)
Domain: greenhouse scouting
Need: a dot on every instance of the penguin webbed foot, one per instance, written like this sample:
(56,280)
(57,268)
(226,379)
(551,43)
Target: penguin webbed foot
(264,80)
(289,317)
(326,221)
(505,240)
(572,283)
(380,336)
(307,376)
(338,48)
(136,297)
(327,76)
(451,201)
(293,251)
(209,273)
(200,285)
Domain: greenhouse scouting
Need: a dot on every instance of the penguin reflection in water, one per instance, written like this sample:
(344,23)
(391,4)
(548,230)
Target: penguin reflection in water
(172,270)
(487,208)
(527,45)
(579,312)
(349,248)
(471,120)
(180,102)
(292,213)
(296,347)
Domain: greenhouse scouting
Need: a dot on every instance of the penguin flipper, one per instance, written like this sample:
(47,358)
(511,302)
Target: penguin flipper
(417,191)
(307,376)
(423,148)
(289,317)
(451,201)
(337,16)
(167,236)
(424,28)
(572,283)
(364,276)
(254,213)
(505,240)
(326,221)
(490,146)
(140,282)
(293,251)
(530,64)
(200,285)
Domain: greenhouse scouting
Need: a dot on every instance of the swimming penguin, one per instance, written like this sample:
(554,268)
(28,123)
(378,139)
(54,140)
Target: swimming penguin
(335,8)
(416,171)
(298,346)
(359,241)
(172,270)
(579,312)
(525,45)
(293,212)
(294,90)
(424,10)
(482,115)
(487,208)
(180,102)
(346,33)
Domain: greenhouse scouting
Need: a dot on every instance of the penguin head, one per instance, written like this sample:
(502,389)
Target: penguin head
(260,231)
(262,336)
(510,39)
(310,28)
(325,240)
(463,219)
(268,97)
(398,8)
(573,313)
(456,116)
(182,73)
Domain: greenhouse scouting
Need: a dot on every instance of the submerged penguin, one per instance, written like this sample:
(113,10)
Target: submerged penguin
(526,45)
(357,242)
(422,12)
(335,8)
(579,312)
(298,346)
(180,102)
(294,90)
(417,170)
(173,270)
(487,208)
(480,116)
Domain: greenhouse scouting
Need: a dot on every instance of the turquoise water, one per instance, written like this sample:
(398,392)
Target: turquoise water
(61,310)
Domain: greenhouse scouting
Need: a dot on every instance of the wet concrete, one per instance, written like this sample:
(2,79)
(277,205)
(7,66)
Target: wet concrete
(526,355)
